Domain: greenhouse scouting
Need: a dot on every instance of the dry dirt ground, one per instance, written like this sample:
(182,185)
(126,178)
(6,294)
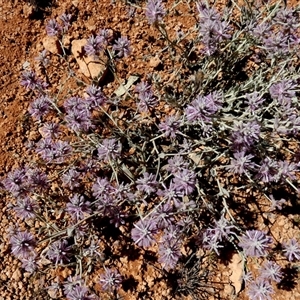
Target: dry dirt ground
(22,34)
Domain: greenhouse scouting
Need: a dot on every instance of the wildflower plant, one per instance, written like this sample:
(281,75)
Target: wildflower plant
(172,165)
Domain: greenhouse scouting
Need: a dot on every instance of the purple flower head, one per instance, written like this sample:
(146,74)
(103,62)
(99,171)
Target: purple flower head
(185,181)
(147,183)
(50,130)
(169,253)
(29,263)
(260,289)
(210,242)
(291,250)
(267,171)
(16,182)
(57,152)
(255,243)
(79,120)
(241,163)
(53,28)
(222,229)
(147,101)
(66,20)
(155,11)
(95,97)
(212,29)
(283,92)
(110,280)
(42,58)
(71,178)
(26,208)
(80,292)
(78,207)
(271,271)
(102,187)
(170,126)
(169,193)
(122,47)
(143,233)
(142,87)
(39,107)
(287,170)
(22,244)
(59,252)
(244,135)
(30,81)
(204,107)
(110,149)
(74,103)
(95,45)
(254,101)
(276,204)
(176,164)
(107,35)
(163,215)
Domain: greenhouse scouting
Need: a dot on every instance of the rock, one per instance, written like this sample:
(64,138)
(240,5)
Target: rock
(91,67)
(28,10)
(154,62)
(52,45)
(16,275)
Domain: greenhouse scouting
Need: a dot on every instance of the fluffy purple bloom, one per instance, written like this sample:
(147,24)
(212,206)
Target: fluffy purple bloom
(244,135)
(102,187)
(260,289)
(50,130)
(169,253)
(176,164)
(30,81)
(147,101)
(143,233)
(22,244)
(254,101)
(287,170)
(53,28)
(43,59)
(267,171)
(74,103)
(29,263)
(16,182)
(80,292)
(95,45)
(291,250)
(255,243)
(57,152)
(79,120)
(39,107)
(142,87)
(170,126)
(185,181)
(155,11)
(37,179)
(271,271)
(212,29)
(240,163)
(276,204)
(147,183)
(78,207)
(66,20)
(110,280)
(26,208)
(283,91)
(122,47)
(169,193)
(163,215)
(59,252)
(204,107)
(71,178)
(110,149)
(95,97)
